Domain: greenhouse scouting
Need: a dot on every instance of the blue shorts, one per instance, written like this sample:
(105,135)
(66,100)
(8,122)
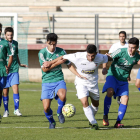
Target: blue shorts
(12,79)
(49,90)
(2,82)
(138,74)
(120,87)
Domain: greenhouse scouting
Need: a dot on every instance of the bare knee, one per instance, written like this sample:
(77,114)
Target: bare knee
(62,94)
(46,109)
(110,92)
(124,99)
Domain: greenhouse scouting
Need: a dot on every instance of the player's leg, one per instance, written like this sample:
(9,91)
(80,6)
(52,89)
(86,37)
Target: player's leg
(138,80)
(119,100)
(2,85)
(123,92)
(109,87)
(83,93)
(5,101)
(46,96)
(48,112)
(60,91)
(94,105)
(14,82)
(16,98)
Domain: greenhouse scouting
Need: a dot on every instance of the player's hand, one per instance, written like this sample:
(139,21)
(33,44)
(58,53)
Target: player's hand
(128,78)
(7,69)
(23,65)
(47,64)
(108,55)
(81,76)
(104,71)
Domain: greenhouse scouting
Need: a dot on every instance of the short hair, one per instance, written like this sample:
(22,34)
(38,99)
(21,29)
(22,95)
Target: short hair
(122,32)
(0,26)
(134,41)
(52,37)
(8,29)
(91,48)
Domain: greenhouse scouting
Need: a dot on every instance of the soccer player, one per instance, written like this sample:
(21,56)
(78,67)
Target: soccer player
(4,68)
(53,84)
(121,44)
(116,81)
(13,76)
(87,64)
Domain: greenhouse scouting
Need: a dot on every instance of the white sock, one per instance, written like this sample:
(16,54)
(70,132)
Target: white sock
(95,109)
(89,114)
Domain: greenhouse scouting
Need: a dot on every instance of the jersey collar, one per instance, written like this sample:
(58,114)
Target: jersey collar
(130,55)
(49,51)
(124,44)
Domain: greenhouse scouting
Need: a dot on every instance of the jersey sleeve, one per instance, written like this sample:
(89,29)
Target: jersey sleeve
(111,50)
(64,53)
(41,58)
(70,57)
(9,52)
(116,54)
(105,59)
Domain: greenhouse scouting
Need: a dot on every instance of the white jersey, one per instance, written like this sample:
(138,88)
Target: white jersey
(116,46)
(86,68)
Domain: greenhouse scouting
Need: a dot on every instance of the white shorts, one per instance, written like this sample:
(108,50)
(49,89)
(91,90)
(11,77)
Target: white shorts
(85,91)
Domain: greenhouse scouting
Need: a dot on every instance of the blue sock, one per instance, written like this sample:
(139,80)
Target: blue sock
(107,103)
(139,89)
(49,116)
(60,106)
(121,112)
(0,100)
(16,100)
(5,102)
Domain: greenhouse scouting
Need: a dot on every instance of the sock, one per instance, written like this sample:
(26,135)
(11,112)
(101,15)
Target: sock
(49,116)
(107,103)
(16,100)
(0,100)
(139,89)
(121,112)
(89,114)
(60,106)
(5,102)
(94,109)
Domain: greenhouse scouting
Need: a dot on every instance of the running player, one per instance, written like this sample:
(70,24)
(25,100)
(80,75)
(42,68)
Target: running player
(121,44)
(4,69)
(87,64)
(116,81)
(53,84)
(13,76)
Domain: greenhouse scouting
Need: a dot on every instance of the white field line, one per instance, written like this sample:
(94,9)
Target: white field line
(62,128)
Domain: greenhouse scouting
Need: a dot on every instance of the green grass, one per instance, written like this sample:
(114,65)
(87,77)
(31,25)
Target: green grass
(34,126)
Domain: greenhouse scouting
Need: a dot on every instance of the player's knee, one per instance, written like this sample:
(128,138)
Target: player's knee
(46,109)
(137,85)
(62,96)
(124,99)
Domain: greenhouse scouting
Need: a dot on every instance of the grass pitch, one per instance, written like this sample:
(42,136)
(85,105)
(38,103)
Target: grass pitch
(33,125)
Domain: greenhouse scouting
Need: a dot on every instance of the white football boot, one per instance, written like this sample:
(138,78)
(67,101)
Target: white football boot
(6,113)
(17,112)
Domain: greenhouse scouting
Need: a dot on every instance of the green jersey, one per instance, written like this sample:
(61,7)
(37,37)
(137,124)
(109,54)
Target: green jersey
(4,50)
(14,49)
(55,74)
(122,64)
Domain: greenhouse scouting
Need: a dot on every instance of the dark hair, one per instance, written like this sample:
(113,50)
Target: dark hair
(52,37)
(134,41)
(122,32)
(8,29)
(0,26)
(91,48)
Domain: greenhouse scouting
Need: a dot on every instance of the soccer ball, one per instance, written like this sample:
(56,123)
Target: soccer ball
(68,110)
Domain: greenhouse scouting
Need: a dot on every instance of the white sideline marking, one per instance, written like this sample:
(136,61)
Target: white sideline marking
(65,128)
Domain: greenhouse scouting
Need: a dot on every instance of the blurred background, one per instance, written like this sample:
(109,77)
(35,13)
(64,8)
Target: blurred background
(76,22)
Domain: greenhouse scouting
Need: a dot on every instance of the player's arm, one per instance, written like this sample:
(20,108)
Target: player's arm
(48,64)
(60,61)
(10,59)
(21,65)
(74,71)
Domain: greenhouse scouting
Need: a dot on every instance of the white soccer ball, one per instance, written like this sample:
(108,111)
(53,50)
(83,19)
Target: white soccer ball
(68,110)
